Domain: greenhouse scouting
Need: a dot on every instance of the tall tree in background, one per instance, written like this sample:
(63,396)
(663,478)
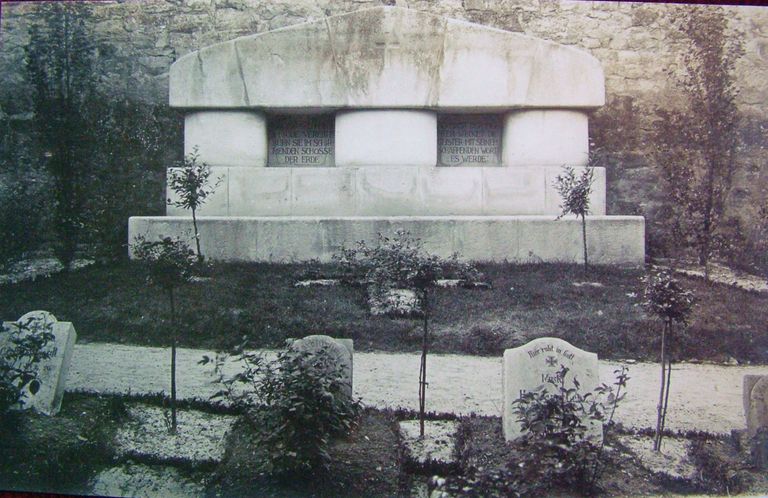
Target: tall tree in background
(59,60)
(696,146)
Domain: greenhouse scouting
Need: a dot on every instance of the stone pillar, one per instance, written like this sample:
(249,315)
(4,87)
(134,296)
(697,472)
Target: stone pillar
(386,138)
(545,138)
(227,138)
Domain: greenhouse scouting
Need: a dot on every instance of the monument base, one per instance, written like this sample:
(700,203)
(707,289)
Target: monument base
(611,240)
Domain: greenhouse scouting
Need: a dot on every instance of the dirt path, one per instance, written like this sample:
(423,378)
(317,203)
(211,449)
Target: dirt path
(702,397)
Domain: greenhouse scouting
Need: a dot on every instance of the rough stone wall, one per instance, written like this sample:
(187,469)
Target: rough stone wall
(635,42)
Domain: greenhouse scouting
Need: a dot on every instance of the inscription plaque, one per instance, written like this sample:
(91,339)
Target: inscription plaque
(301,141)
(469,140)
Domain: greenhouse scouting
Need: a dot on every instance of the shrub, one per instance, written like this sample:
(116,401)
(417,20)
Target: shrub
(552,450)
(574,192)
(169,263)
(27,345)
(297,404)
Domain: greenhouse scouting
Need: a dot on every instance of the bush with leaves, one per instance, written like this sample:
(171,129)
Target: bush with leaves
(574,192)
(553,450)
(667,300)
(297,403)
(23,346)
(192,183)
(170,263)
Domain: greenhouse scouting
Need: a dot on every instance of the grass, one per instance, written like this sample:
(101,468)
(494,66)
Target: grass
(258,301)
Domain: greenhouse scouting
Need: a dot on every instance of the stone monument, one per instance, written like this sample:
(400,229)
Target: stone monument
(532,366)
(340,350)
(331,131)
(52,372)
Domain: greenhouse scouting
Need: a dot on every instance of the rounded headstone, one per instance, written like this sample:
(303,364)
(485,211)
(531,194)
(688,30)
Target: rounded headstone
(37,316)
(340,352)
(757,416)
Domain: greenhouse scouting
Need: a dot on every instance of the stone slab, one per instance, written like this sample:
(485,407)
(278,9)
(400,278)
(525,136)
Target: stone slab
(531,367)
(387,57)
(436,447)
(200,437)
(615,240)
(51,372)
(227,137)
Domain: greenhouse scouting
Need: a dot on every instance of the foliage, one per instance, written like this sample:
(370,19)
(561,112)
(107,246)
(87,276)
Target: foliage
(668,300)
(27,344)
(401,262)
(59,60)
(574,192)
(297,403)
(191,183)
(169,262)
(696,146)
(553,450)
(129,171)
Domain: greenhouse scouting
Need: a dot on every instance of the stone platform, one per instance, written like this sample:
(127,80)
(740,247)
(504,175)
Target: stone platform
(611,239)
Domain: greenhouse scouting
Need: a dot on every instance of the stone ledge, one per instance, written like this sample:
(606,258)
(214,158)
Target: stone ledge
(615,240)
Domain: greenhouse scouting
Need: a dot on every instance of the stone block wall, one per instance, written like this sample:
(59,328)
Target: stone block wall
(635,42)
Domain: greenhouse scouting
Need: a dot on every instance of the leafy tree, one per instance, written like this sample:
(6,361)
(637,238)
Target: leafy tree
(59,60)
(574,192)
(401,262)
(170,263)
(666,299)
(191,182)
(696,146)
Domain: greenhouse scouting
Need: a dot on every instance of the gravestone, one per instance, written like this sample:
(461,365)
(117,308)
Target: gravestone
(532,366)
(757,410)
(340,350)
(52,372)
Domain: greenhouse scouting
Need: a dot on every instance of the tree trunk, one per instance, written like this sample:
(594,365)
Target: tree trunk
(423,369)
(197,236)
(584,239)
(173,363)
(659,407)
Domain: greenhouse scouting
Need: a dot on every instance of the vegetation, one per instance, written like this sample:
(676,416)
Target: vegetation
(297,404)
(401,262)
(574,192)
(59,67)
(666,299)
(191,183)
(112,303)
(696,146)
(169,264)
(27,345)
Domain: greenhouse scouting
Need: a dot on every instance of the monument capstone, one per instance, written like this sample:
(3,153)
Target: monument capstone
(331,131)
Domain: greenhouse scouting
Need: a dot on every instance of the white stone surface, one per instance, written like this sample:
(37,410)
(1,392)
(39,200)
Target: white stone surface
(548,137)
(387,57)
(757,412)
(611,239)
(199,439)
(144,481)
(437,445)
(51,372)
(382,137)
(227,137)
(533,366)
(388,191)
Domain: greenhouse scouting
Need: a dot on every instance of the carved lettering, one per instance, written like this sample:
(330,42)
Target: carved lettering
(301,141)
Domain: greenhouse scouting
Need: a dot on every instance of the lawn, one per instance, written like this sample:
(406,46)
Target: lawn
(259,301)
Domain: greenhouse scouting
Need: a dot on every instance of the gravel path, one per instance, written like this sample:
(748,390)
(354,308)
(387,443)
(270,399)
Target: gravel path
(702,397)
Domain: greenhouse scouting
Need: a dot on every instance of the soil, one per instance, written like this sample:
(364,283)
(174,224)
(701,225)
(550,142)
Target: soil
(365,464)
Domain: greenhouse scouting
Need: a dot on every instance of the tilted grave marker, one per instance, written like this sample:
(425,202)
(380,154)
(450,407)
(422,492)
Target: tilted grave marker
(51,372)
(532,366)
